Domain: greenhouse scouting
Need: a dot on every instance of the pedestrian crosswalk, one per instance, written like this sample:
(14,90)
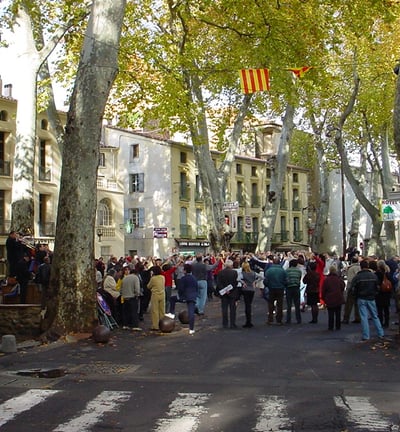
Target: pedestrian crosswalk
(192,412)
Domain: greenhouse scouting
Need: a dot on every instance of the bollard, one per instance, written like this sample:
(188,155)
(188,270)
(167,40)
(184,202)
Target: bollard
(8,344)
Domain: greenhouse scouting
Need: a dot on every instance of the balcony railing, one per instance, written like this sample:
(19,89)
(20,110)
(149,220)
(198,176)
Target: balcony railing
(47,229)
(44,174)
(104,231)
(241,200)
(298,236)
(186,231)
(245,237)
(184,193)
(296,205)
(5,168)
(103,183)
(283,236)
(255,201)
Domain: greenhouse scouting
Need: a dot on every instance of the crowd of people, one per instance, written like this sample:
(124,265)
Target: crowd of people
(132,286)
(287,281)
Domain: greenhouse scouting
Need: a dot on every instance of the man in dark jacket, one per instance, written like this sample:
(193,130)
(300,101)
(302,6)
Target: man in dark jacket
(226,278)
(365,287)
(275,279)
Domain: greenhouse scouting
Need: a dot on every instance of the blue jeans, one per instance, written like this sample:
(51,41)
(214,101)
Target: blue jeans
(201,296)
(365,307)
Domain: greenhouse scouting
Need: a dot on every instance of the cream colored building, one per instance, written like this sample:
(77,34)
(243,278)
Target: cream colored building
(163,206)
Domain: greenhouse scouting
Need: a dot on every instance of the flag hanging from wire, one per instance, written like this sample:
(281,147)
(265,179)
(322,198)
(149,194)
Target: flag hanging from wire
(253,80)
(300,71)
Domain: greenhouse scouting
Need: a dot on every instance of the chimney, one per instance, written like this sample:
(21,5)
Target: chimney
(8,90)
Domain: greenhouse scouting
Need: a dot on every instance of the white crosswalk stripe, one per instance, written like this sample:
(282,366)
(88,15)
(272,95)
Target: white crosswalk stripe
(105,402)
(187,411)
(24,402)
(362,414)
(184,413)
(272,415)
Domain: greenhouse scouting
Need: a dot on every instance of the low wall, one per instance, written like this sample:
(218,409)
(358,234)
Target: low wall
(21,320)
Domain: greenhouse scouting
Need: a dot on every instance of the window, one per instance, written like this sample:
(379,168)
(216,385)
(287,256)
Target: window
(44,172)
(268,173)
(239,169)
(239,193)
(134,151)
(102,159)
(183,157)
(136,182)
(3,115)
(44,124)
(134,219)
(295,177)
(198,194)
(254,171)
(104,216)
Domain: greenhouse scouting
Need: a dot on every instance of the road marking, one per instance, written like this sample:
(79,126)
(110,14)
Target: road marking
(105,402)
(362,414)
(272,415)
(24,402)
(184,413)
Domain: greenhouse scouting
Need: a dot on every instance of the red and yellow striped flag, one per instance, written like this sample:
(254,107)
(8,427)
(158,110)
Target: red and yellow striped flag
(253,80)
(300,71)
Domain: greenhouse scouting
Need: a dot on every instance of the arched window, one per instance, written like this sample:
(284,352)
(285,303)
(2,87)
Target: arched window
(104,216)
(44,124)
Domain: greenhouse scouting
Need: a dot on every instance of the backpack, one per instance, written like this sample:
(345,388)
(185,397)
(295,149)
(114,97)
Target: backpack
(386,285)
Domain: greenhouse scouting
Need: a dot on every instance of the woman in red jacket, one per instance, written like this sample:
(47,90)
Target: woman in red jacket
(332,294)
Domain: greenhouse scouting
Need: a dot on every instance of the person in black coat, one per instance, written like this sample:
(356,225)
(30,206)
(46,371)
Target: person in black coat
(228,276)
(15,251)
(23,276)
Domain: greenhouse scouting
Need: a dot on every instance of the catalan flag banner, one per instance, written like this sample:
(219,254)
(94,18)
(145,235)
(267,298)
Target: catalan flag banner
(253,80)
(300,71)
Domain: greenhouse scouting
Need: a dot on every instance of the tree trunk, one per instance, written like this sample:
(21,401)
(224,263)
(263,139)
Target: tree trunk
(278,167)
(72,302)
(28,60)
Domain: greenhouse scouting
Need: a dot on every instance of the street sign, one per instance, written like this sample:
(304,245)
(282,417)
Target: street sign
(231,206)
(160,232)
(390,210)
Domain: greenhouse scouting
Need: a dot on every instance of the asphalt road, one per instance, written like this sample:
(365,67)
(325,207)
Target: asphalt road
(268,378)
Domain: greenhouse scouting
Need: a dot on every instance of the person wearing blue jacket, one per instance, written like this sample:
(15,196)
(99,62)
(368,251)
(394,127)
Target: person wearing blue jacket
(187,293)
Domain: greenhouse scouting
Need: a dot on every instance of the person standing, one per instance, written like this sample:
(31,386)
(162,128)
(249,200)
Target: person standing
(352,270)
(130,292)
(294,275)
(332,294)
(15,252)
(275,280)
(226,277)
(157,287)
(249,279)
(312,281)
(43,279)
(384,294)
(365,288)
(187,293)
(199,271)
(23,276)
